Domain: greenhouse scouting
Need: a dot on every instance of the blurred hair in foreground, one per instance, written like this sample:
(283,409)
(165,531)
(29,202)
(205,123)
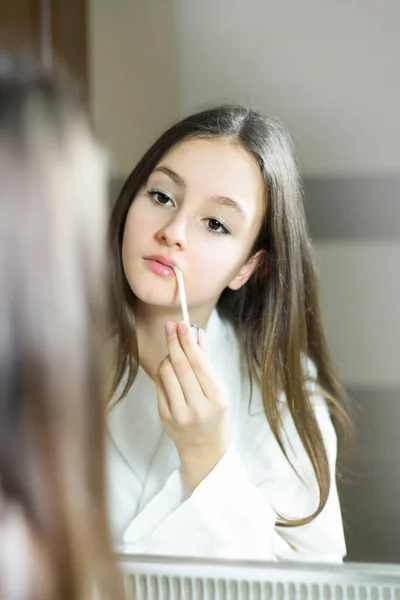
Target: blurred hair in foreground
(53,321)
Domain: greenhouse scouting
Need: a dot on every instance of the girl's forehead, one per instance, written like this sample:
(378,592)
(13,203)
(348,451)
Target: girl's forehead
(208,149)
(210,162)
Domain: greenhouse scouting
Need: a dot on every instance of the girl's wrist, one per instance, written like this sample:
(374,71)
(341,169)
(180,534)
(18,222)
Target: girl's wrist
(198,462)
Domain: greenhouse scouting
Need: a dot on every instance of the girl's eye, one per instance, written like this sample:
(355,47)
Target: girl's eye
(160,198)
(215,226)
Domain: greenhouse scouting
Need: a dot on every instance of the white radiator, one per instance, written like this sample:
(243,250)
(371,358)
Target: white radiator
(185,579)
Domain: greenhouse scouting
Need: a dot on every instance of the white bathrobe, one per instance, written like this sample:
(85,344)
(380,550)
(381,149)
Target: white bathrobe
(234,511)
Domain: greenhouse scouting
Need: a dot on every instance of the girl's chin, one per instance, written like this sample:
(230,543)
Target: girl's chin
(157,302)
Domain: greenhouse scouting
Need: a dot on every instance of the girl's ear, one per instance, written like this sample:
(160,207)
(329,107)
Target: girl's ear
(246,271)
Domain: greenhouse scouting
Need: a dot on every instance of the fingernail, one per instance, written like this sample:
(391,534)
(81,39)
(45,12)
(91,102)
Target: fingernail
(169,327)
(182,328)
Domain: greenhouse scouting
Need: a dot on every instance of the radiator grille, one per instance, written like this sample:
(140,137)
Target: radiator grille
(194,580)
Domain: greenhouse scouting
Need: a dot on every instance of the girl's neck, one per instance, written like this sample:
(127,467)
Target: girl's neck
(150,329)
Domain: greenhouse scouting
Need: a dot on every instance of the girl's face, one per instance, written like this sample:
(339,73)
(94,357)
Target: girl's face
(201,210)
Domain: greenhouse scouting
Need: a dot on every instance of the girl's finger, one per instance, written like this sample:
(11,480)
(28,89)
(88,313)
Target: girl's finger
(187,379)
(173,390)
(197,360)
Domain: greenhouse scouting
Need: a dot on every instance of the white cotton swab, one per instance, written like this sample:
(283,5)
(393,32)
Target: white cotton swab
(182,294)
(184,307)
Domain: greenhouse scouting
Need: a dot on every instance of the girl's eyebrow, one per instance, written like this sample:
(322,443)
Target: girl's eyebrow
(179,180)
(172,175)
(229,202)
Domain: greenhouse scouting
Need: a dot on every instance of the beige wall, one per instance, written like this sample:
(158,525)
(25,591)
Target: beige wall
(133,75)
(360,292)
(326,68)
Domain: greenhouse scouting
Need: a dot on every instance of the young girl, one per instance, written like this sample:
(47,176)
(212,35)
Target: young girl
(54,536)
(227,448)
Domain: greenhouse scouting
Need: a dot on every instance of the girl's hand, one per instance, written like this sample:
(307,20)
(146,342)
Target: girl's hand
(192,404)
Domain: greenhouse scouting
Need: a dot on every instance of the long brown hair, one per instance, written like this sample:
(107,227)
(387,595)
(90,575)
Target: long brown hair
(53,320)
(276,314)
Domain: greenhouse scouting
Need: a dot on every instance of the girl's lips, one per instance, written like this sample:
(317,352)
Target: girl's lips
(159,268)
